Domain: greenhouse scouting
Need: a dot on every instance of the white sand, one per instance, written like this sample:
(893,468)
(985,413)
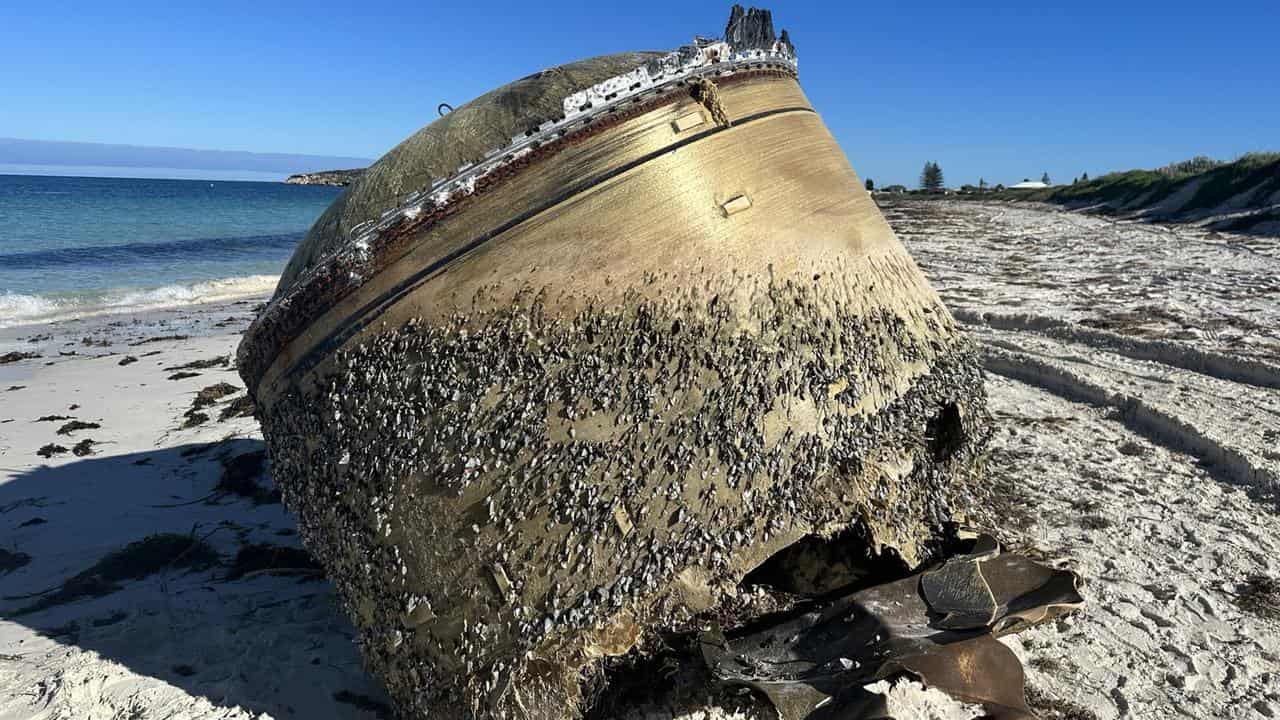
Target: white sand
(1145,465)
(1132,369)
(264,646)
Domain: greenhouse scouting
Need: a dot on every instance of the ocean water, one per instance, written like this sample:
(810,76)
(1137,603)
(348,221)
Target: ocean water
(82,245)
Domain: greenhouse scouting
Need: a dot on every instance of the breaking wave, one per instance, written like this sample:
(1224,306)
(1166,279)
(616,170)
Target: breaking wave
(19,309)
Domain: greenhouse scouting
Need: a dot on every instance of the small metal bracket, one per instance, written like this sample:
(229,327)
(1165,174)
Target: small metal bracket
(736,205)
(688,121)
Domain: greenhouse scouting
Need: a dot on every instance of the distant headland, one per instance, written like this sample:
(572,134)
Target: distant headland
(340,178)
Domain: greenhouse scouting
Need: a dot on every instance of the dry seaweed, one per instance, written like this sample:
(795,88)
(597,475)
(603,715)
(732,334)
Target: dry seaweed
(1045,664)
(12,357)
(380,710)
(240,407)
(137,560)
(240,477)
(11,560)
(50,450)
(1260,595)
(212,394)
(158,338)
(219,361)
(75,425)
(1048,707)
(264,558)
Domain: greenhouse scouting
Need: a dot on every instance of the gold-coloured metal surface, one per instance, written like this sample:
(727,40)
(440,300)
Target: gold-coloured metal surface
(736,205)
(607,387)
(664,210)
(689,121)
(464,135)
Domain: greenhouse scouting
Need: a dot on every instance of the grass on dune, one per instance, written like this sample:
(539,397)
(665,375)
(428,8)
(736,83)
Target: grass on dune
(1254,177)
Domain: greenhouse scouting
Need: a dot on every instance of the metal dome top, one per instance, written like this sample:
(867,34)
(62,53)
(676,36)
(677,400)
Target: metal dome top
(449,154)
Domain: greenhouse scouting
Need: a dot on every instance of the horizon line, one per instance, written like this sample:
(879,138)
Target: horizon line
(75,153)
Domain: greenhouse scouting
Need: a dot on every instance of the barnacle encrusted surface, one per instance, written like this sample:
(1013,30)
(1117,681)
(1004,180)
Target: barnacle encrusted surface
(506,494)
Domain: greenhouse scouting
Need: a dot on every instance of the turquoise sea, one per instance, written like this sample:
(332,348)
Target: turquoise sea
(79,245)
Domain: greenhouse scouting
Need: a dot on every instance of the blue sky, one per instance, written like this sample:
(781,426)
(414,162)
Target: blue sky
(1002,91)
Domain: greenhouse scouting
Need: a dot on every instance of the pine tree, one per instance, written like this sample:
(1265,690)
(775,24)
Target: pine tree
(871,184)
(1084,178)
(931,178)
(1045,179)
(982,184)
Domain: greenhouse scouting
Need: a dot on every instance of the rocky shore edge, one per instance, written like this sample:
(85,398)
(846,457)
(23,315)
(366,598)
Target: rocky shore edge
(337,178)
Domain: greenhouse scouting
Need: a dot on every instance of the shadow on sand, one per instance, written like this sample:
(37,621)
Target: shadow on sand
(218,622)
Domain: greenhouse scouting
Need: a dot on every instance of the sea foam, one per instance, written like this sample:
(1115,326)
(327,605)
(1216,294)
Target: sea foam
(20,309)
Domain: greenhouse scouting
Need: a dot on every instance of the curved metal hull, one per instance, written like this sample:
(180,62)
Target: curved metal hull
(590,400)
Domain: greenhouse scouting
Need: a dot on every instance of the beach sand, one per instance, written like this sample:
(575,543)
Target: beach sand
(185,641)
(1135,445)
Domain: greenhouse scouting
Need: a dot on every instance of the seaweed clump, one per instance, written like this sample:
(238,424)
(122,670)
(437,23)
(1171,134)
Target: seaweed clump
(11,560)
(135,561)
(240,407)
(1052,708)
(206,397)
(75,425)
(13,357)
(240,477)
(50,450)
(218,361)
(261,558)
(1260,596)
(212,394)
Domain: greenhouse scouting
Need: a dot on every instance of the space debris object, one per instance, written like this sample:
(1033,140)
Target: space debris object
(565,365)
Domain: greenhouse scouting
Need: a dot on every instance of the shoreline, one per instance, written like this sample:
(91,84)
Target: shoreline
(18,309)
(189,313)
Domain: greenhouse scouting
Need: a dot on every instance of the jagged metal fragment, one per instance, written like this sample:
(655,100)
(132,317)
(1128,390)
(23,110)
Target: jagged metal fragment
(750,28)
(814,665)
(958,591)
